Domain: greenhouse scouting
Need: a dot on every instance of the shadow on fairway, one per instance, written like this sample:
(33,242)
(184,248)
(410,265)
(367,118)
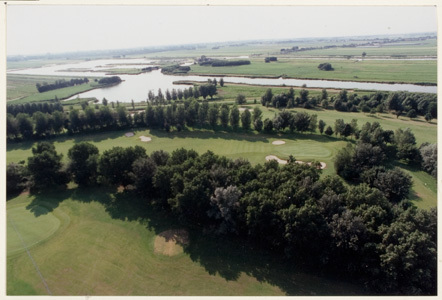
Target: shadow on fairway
(228,257)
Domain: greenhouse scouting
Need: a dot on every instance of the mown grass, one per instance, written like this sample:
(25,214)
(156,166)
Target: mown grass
(251,146)
(352,70)
(107,249)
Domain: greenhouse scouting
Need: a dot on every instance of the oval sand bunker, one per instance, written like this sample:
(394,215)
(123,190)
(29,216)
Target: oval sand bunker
(145,138)
(128,134)
(171,242)
(278,142)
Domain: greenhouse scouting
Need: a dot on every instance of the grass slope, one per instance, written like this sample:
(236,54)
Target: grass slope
(106,248)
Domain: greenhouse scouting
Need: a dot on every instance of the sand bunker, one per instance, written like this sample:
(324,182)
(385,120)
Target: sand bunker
(273,157)
(145,138)
(278,142)
(283,161)
(171,242)
(242,109)
(129,134)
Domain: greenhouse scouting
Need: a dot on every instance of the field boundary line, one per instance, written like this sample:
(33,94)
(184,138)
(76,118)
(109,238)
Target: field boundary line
(30,256)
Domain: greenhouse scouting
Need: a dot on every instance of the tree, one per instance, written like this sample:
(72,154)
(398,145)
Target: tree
(41,124)
(224,116)
(267,97)
(221,82)
(213,115)
(83,163)
(224,204)
(406,145)
(364,54)
(268,125)
(240,99)
(394,184)
(321,126)
(234,117)
(325,67)
(16,178)
(328,131)
(429,158)
(45,167)
(246,119)
(143,172)
(25,125)
(115,164)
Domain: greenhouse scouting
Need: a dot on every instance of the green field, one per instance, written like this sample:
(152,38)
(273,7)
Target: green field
(21,88)
(255,147)
(352,70)
(105,247)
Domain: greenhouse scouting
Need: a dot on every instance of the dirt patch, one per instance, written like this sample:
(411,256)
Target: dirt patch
(171,242)
(278,142)
(128,134)
(145,138)
(283,161)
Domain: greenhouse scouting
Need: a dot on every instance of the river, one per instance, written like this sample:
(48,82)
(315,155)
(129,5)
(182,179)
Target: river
(136,87)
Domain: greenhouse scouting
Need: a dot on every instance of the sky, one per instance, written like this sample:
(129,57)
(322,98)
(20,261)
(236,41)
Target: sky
(40,29)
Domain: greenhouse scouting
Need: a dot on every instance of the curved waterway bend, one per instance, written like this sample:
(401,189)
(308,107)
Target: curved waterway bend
(136,87)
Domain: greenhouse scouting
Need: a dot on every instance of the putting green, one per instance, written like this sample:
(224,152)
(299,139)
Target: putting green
(26,229)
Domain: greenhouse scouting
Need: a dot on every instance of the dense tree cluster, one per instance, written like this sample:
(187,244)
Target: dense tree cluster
(359,231)
(270,59)
(325,67)
(206,61)
(110,80)
(58,84)
(175,69)
(401,103)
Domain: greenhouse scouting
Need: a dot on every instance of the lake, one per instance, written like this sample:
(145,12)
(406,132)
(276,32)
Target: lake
(136,87)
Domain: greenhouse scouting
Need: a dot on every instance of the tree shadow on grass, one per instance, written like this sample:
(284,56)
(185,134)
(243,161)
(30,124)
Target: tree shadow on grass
(230,257)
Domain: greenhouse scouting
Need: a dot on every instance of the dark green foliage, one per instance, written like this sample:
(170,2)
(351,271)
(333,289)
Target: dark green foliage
(83,163)
(246,119)
(406,146)
(45,167)
(325,67)
(234,117)
(328,131)
(110,80)
(115,165)
(240,99)
(16,178)
(394,184)
(321,126)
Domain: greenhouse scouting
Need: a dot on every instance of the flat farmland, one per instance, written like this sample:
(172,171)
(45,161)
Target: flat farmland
(350,70)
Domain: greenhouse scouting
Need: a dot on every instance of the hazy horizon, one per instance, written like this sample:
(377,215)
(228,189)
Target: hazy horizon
(37,30)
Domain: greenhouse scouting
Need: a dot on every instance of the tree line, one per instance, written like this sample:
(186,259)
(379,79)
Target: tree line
(399,103)
(58,84)
(355,231)
(192,113)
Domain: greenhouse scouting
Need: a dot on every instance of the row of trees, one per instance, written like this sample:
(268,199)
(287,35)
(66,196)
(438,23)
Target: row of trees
(400,103)
(355,231)
(58,84)
(30,108)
